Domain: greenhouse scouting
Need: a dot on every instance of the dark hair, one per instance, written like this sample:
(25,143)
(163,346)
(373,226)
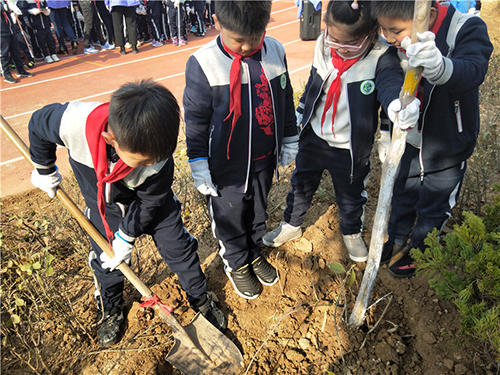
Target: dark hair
(402,10)
(360,19)
(246,18)
(144,118)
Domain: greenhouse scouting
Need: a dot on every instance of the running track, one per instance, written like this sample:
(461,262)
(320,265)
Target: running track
(95,77)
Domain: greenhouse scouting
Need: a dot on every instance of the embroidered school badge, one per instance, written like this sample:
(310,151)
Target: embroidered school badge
(283,81)
(367,87)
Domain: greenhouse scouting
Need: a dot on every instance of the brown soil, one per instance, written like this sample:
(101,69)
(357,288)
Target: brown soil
(295,327)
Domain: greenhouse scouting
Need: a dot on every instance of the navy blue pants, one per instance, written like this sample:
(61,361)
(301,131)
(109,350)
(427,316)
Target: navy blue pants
(239,219)
(10,50)
(420,204)
(315,155)
(175,245)
(173,21)
(45,41)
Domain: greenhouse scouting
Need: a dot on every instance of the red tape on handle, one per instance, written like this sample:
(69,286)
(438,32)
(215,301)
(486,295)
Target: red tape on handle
(155,300)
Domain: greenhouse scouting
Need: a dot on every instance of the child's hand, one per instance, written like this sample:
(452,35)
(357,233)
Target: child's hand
(34,11)
(202,178)
(288,153)
(122,250)
(79,16)
(425,54)
(48,183)
(408,117)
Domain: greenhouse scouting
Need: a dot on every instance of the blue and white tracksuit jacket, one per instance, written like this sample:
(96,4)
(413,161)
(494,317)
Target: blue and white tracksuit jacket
(206,105)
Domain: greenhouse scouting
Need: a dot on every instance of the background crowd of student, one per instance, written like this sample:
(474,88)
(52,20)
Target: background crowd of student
(44,30)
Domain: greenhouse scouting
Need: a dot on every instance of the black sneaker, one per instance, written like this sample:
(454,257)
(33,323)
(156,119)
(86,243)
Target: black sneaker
(9,79)
(74,47)
(245,282)
(109,330)
(122,50)
(266,273)
(389,249)
(134,49)
(403,266)
(209,309)
(25,74)
(30,65)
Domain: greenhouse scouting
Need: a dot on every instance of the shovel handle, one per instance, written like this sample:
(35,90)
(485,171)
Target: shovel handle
(79,216)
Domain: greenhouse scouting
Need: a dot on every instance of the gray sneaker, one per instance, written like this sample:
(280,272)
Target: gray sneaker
(284,233)
(356,247)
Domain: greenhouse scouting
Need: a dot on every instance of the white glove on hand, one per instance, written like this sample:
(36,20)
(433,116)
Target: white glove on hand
(383,144)
(48,183)
(122,250)
(46,11)
(408,117)
(14,8)
(299,117)
(176,3)
(202,178)
(424,54)
(472,11)
(141,10)
(288,153)
(34,11)
(79,16)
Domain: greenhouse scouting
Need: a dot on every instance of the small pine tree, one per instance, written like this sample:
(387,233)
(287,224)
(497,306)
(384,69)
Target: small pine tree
(465,268)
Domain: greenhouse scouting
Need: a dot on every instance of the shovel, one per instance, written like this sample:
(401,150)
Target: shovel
(389,171)
(199,347)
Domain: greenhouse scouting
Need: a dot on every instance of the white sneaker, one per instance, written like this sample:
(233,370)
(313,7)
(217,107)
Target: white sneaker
(107,46)
(48,60)
(284,233)
(128,45)
(356,247)
(55,58)
(90,50)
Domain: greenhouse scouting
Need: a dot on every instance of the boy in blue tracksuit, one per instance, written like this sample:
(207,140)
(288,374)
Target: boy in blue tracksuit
(120,153)
(454,55)
(240,123)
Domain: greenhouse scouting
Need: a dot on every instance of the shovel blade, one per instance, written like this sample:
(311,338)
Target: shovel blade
(217,354)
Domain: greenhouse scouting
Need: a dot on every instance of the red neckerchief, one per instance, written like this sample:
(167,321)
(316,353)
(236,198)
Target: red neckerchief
(235,86)
(97,122)
(334,90)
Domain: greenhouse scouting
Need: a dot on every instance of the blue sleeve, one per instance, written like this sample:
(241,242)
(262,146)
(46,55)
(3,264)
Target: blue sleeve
(197,102)
(389,77)
(44,134)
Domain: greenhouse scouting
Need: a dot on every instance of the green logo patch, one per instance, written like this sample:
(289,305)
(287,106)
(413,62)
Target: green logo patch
(367,87)
(283,81)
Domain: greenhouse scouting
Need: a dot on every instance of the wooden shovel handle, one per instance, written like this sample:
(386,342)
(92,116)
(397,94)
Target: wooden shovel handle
(79,216)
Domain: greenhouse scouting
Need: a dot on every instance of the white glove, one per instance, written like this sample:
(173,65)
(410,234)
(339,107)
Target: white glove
(34,11)
(141,9)
(299,117)
(288,153)
(425,54)
(14,8)
(48,183)
(472,11)
(122,250)
(176,3)
(79,16)
(383,144)
(408,117)
(46,11)
(208,1)
(202,178)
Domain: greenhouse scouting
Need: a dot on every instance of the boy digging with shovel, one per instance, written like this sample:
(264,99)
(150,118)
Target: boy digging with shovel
(120,153)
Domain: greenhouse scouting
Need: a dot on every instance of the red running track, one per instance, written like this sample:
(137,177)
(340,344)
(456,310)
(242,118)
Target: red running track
(95,77)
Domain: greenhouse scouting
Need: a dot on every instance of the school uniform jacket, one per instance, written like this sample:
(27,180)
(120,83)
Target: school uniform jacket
(206,106)
(376,78)
(449,123)
(137,197)
(40,21)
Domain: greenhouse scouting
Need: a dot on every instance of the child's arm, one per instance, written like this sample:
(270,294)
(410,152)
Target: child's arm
(466,68)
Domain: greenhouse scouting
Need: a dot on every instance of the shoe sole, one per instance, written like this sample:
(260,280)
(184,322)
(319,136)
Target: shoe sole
(268,284)
(401,276)
(236,289)
(358,259)
(273,244)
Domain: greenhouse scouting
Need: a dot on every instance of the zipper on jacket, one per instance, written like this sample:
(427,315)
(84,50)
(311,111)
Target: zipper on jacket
(458,115)
(304,123)
(420,155)
(212,128)
(351,176)
(249,125)
(276,151)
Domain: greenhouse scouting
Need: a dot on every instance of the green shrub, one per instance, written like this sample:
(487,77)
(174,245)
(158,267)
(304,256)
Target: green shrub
(465,269)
